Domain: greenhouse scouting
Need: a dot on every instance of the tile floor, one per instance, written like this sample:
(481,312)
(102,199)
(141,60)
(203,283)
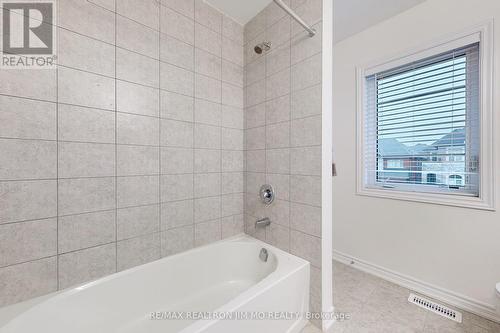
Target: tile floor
(378,306)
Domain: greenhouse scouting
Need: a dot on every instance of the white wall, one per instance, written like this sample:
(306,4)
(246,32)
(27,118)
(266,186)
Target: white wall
(451,248)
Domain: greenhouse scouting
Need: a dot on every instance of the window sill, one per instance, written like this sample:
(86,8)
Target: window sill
(462,201)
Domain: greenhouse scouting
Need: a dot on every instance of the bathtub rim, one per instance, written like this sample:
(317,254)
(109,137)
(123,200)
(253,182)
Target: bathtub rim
(283,269)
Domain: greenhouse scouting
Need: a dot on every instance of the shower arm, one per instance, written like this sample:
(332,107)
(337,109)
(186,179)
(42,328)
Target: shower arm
(297,18)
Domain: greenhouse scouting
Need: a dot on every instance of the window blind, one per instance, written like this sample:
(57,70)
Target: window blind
(422,125)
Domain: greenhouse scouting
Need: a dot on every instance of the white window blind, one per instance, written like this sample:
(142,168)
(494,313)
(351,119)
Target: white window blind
(422,125)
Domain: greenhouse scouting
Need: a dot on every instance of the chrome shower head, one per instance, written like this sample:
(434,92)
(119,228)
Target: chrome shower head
(262,47)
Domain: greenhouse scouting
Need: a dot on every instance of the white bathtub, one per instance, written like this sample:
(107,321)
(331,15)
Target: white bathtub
(226,277)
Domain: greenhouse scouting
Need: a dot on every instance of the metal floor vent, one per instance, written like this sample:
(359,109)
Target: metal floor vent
(435,307)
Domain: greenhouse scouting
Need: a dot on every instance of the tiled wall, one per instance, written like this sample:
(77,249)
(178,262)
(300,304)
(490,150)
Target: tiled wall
(131,150)
(283,132)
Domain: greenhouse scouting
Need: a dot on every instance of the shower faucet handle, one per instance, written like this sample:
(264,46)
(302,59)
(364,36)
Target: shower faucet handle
(267,194)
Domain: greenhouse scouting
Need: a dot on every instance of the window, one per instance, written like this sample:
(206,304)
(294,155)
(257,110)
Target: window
(395,164)
(422,125)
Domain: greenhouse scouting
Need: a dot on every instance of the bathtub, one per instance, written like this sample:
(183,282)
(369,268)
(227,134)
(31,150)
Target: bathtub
(216,288)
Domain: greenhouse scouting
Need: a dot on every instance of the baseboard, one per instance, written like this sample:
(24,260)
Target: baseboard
(454,299)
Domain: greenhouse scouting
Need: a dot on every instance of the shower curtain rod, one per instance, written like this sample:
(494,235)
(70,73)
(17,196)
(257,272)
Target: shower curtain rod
(297,18)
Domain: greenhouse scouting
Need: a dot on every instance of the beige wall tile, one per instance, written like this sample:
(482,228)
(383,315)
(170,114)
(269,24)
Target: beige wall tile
(176,52)
(232,225)
(83,195)
(39,84)
(207,39)
(306,102)
(232,95)
(177,240)
(232,29)
(176,187)
(26,241)
(137,190)
(306,246)
(207,185)
(176,25)
(176,79)
(27,200)
(206,209)
(146,12)
(306,161)
(27,119)
(306,218)
(207,160)
(306,73)
(137,160)
(207,15)
(207,88)
(207,64)
(177,161)
(137,99)
(78,159)
(278,110)
(86,265)
(177,214)
(206,136)
(233,161)
(136,37)
(86,230)
(87,19)
(306,132)
(85,89)
(176,133)
(27,159)
(137,68)
(136,221)
(185,7)
(81,52)
(137,251)
(232,117)
(28,280)
(206,112)
(176,106)
(135,129)
(85,124)
(207,232)
(306,190)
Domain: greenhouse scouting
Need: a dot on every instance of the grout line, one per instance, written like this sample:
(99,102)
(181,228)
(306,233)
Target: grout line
(266,179)
(192,71)
(112,209)
(116,146)
(290,142)
(221,133)
(57,166)
(156,175)
(193,133)
(159,131)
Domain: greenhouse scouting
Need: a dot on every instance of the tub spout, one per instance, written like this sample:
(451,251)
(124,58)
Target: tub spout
(263,222)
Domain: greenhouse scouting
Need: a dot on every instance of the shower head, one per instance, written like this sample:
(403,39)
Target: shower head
(262,47)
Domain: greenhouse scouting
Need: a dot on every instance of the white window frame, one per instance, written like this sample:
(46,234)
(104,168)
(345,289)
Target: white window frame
(482,33)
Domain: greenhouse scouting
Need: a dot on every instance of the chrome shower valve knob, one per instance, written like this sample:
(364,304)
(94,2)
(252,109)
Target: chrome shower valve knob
(267,194)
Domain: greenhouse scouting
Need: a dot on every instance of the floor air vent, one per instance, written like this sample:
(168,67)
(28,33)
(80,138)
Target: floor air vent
(435,307)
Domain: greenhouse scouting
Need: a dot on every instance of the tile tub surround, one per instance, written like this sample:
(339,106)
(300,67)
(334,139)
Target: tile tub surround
(283,132)
(131,150)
